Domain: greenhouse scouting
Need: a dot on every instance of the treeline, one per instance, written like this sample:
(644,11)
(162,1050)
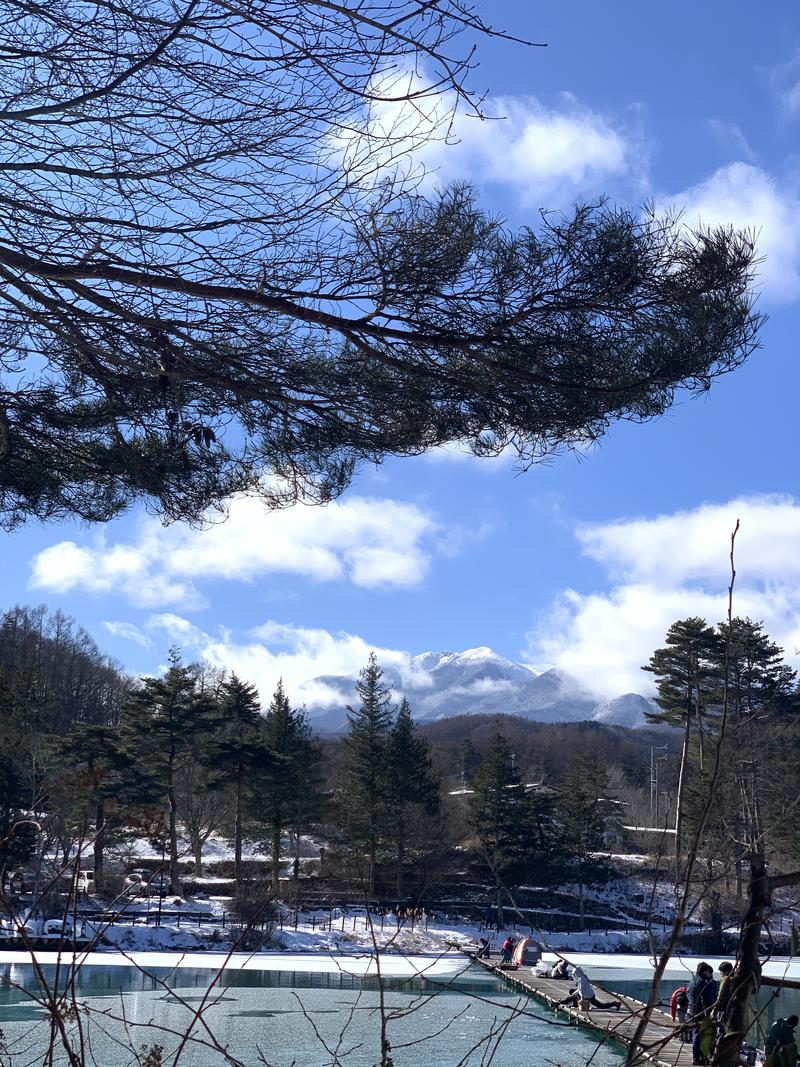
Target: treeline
(546,752)
(90,755)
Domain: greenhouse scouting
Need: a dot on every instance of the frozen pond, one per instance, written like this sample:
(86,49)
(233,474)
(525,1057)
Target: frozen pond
(285,1018)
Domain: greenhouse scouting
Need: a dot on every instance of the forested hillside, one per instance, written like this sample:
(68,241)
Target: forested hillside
(546,752)
(95,760)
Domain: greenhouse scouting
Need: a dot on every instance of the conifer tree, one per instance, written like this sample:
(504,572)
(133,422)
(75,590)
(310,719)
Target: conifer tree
(759,689)
(412,786)
(241,752)
(160,721)
(500,816)
(285,777)
(365,797)
(17,836)
(684,671)
(580,813)
(106,764)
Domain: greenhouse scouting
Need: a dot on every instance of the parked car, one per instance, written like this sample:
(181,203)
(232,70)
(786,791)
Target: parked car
(144,883)
(21,881)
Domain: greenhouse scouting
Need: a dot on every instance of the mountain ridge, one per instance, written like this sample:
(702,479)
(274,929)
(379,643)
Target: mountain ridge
(479,681)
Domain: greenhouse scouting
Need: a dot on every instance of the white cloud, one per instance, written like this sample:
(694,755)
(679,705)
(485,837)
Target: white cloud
(458,453)
(548,155)
(128,631)
(671,567)
(483,687)
(786,84)
(693,545)
(791,99)
(298,655)
(747,197)
(374,543)
(731,139)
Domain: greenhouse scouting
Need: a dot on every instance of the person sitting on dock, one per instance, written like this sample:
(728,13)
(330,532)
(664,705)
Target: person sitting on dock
(702,998)
(583,995)
(561,971)
(485,950)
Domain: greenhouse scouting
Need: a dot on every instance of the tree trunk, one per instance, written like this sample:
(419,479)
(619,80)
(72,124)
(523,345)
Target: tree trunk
(372,861)
(296,869)
(197,849)
(714,911)
(747,974)
(237,834)
(737,833)
(276,853)
(401,855)
(682,790)
(99,843)
(580,895)
(174,873)
(500,922)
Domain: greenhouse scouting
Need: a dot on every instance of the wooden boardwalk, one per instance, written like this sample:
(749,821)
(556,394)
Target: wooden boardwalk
(661,1043)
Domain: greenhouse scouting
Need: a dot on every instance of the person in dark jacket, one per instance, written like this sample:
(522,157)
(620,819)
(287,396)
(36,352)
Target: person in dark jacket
(702,998)
(782,1042)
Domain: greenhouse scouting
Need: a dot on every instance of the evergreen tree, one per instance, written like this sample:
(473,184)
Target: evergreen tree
(287,775)
(103,773)
(684,671)
(306,806)
(412,787)
(500,815)
(161,720)
(364,801)
(760,694)
(240,752)
(581,814)
(17,835)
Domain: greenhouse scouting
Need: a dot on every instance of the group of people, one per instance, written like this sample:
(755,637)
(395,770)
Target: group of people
(506,950)
(702,1006)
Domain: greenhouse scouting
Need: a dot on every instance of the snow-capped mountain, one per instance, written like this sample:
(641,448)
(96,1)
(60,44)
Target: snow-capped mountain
(478,681)
(627,710)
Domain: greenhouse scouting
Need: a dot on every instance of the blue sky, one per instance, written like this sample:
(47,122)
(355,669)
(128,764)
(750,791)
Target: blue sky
(583,562)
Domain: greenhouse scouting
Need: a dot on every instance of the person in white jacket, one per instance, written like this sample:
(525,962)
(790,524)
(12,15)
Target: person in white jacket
(584,990)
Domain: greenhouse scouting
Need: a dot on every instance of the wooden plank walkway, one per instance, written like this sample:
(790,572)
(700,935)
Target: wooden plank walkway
(661,1042)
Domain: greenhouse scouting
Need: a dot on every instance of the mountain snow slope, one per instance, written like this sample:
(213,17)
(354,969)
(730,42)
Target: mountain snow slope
(478,681)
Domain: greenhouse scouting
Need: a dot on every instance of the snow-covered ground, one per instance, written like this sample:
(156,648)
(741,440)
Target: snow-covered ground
(629,899)
(336,932)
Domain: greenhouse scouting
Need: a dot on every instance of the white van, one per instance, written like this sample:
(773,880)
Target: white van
(84,882)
